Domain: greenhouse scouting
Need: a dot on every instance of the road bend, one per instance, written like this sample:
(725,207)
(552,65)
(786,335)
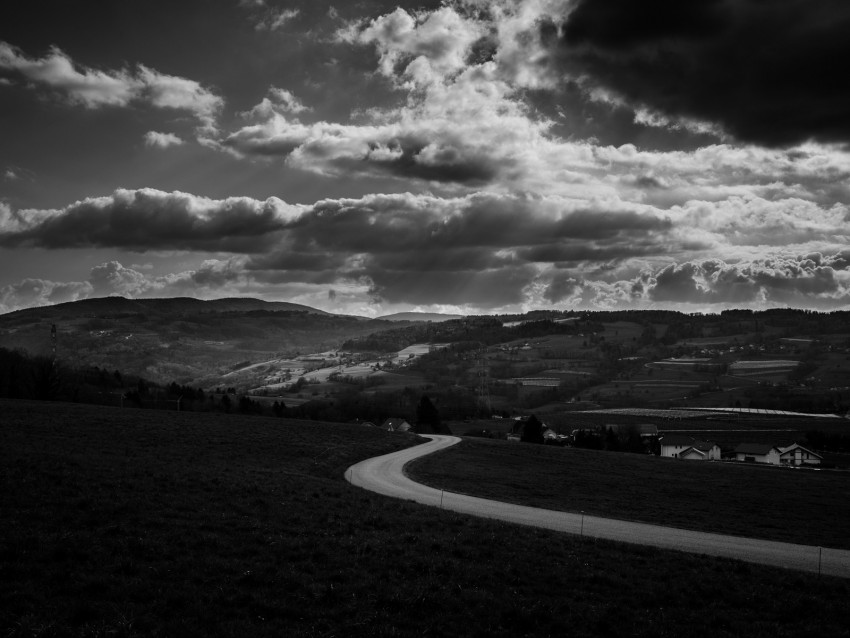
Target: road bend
(385,475)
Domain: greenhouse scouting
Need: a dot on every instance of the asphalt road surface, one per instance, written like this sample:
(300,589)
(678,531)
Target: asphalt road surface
(385,475)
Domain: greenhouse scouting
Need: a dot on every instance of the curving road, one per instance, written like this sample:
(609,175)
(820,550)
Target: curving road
(385,475)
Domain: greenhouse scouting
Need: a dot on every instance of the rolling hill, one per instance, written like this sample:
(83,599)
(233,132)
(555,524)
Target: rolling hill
(182,339)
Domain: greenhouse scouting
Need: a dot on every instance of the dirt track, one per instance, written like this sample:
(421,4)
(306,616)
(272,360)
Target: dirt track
(385,475)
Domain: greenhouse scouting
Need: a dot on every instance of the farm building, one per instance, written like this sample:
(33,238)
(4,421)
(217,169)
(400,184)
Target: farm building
(701,451)
(798,455)
(538,382)
(687,447)
(757,453)
(396,425)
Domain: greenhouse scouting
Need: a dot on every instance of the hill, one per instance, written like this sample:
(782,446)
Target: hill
(118,306)
(184,340)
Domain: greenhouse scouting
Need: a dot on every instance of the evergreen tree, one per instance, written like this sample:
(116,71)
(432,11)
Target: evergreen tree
(427,417)
(532,432)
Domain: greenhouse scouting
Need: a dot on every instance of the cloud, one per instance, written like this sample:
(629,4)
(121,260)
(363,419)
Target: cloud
(213,278)
(30,293)
(275,19)
(113,278)
(412,248)
(796,280)
(148,219)
(481,249)
(95,89)
(162,140)
(471,77)
(424,48)
(468,131)
(278,101)
(766,72)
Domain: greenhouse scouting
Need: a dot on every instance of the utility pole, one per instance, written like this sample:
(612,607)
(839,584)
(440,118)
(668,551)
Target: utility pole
(53,343)
(484,389)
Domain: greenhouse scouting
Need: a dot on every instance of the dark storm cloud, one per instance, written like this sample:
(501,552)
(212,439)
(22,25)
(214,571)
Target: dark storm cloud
(148,219)
(768,72)
(403,223)
(413,158)
(483,249)
(571,252)
(561,287)
(486,289)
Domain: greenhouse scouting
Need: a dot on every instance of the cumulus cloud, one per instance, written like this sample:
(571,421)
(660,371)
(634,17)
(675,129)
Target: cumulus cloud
(212,278)
(424,48)
(468,72)
(113,278)
(765,71)
(162,140)
(461,123)
(30,293)
(277,101)
(93,88)
(809,280)
(148,219)
(468,131)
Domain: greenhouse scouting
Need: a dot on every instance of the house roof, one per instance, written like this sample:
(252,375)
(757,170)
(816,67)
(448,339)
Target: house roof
(797,446)
(692,450)
(754,448)
(394,423)
(677,439)
(704,446)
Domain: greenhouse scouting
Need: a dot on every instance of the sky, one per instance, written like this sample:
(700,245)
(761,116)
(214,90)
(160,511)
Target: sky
(462,156)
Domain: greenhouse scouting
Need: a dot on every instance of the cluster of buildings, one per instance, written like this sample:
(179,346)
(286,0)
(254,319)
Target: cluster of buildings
(686,447)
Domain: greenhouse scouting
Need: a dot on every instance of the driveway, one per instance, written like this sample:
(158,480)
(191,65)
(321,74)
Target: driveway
(385,475)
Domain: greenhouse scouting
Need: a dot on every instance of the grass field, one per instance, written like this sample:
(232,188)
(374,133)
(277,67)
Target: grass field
(797,506)
(131,523)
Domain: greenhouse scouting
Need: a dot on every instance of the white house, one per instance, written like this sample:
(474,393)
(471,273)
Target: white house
(798,455)
(757,453)
(701,451)
(674,444)
(686,447)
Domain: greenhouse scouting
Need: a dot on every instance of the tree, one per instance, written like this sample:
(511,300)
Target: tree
(612,441)
(532,432)
(427,417)
(46,379)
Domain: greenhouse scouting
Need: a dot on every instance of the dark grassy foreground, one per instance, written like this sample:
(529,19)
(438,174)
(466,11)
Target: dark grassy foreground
(127,523)
(797,506)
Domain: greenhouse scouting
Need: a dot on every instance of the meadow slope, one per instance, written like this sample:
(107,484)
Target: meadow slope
(132,523)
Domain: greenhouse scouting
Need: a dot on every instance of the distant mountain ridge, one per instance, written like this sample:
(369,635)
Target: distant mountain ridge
(116,305)
(419,316)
